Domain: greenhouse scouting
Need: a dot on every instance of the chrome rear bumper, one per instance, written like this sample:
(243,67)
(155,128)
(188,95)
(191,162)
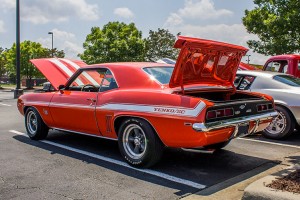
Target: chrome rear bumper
(235,122)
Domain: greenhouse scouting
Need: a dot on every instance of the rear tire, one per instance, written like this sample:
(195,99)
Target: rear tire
(281,126)
(139,144)
(35,126)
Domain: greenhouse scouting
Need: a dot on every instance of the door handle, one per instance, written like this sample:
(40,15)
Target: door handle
(91,99)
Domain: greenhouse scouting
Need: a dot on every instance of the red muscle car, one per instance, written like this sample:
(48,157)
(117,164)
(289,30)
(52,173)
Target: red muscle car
(149,106)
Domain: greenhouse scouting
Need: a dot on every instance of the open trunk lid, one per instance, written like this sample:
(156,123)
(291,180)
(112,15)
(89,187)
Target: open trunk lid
(205,63)
(57,70)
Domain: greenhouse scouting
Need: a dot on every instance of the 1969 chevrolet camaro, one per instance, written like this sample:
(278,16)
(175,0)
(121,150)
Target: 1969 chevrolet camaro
(149,106)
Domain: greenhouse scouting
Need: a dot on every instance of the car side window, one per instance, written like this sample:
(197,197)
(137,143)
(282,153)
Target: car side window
(108,82)
(88,80)
(273,66)
(244,82)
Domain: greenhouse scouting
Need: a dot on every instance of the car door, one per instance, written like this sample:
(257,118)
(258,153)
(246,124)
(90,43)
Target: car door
(73,108)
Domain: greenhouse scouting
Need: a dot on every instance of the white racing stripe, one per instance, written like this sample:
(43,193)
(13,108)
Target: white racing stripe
(120,163)
(266,142)
(3,104)
(65,69)
(86,75)
(179,111)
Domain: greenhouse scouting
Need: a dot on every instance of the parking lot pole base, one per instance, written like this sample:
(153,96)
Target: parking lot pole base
(18,92)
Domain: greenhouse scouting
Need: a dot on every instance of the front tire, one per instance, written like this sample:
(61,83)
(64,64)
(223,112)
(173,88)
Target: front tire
(35,126)
(139,144)
(281,126)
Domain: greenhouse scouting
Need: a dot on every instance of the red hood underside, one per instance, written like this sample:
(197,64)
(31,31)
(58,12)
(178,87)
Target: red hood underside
(57,70)
(205,62)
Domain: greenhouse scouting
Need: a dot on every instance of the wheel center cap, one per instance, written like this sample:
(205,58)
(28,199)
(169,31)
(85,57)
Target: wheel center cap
(136,141)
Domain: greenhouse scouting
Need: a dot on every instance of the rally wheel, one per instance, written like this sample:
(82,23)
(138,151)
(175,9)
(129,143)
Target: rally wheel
(282,126)
(35,126)
(139,143)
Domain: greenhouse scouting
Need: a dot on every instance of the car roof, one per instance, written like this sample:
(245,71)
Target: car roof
(130,65)
(266,74)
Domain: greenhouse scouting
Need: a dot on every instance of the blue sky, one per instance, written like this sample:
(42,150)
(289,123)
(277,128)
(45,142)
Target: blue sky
(71,20)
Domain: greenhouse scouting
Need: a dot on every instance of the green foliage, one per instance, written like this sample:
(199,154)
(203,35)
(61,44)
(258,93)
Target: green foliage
(29,50)
(114,42)
(160,44)
(2,62)
(277,25)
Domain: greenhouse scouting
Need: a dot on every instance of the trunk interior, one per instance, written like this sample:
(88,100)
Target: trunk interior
(222,97)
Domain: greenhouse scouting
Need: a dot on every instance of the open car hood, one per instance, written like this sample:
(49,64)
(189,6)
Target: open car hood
(57,70)
(205,63)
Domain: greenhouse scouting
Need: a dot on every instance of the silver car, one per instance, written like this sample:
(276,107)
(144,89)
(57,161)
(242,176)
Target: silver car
(285,89)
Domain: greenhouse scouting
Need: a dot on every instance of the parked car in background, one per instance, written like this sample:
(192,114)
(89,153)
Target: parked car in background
(149,106)
(287,64)
(285,89)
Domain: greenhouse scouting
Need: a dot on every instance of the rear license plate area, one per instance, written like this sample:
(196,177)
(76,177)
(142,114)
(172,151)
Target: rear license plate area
(243,130)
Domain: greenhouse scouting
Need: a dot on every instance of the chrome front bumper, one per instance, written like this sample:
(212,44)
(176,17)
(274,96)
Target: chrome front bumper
(235,122)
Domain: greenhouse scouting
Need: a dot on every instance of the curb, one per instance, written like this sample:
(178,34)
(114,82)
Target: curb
(258,191)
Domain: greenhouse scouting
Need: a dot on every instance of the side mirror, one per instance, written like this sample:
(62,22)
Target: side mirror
(61,88)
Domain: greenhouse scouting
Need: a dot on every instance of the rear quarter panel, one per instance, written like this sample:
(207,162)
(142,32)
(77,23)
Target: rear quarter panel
(170,115)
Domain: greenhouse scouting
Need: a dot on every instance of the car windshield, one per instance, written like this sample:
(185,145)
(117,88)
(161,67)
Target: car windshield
(289,80)
(161,74)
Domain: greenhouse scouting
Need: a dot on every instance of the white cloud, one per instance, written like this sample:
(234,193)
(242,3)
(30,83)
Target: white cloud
(7,4)
(124,12)
(63,41)
(45,11)
(197,9)
(2,29)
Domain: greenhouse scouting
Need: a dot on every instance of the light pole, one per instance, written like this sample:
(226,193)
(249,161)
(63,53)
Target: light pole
(248,60)
(18,91)
(51,33)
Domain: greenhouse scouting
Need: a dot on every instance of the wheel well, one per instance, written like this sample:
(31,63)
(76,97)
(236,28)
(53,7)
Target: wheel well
(288,110)
(119,120)
(25,109)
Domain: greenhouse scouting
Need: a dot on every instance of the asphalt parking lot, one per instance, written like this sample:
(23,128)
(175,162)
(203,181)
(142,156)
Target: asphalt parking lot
(70,166)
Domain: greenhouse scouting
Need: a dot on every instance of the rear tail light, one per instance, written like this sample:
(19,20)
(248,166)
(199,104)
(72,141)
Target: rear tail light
(226,112)
(264,107)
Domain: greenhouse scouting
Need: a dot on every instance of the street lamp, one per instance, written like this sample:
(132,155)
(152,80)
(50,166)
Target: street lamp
(51,33)
(18,91)
(248,60)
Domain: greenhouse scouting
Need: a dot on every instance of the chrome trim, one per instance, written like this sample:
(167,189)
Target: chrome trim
(199,150)
(235,122)
(80,133)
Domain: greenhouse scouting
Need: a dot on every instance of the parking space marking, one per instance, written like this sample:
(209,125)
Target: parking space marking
(274,143)
(3,104)
(123,164)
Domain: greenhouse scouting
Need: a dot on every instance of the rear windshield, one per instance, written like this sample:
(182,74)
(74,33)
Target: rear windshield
(289,80)
(161,74)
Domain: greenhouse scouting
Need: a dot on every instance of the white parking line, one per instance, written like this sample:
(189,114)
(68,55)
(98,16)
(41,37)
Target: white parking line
(266,142)
(3,104)
(124,164)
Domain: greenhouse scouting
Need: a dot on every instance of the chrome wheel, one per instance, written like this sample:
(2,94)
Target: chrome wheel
(278,124)
(134,141)
(31,122)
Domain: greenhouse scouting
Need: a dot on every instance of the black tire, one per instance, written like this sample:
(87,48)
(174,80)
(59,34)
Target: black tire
(139,144)
(35,126)
(281,126)
(218,146)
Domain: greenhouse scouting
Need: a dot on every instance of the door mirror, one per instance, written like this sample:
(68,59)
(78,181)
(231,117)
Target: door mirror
(60,87)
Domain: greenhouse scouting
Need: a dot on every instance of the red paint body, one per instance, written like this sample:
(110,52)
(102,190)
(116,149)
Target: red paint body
(168,111)
(288,64)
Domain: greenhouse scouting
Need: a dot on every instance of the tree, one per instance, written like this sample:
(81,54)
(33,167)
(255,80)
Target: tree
(114,42)
(2,63)
(160,44)
(29,50)
(277,25)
